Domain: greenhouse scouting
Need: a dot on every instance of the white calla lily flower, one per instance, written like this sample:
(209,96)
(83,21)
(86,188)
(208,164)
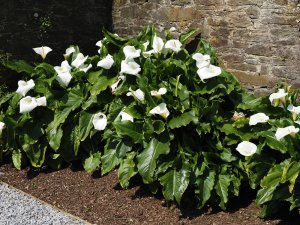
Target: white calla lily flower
(157,44)
(131,52)
(2,126)
(27,104)
(130,67)
(174,45)
(201,60)
(99,121)
(258,118)
(139,94)
(85,68)
(146,45)
(294,110)
(148,53)
(63,73)
(64,79)
(79,60)
(282,132)
(159,93)
(246,148)
(115,85)
(209,72)
(278,97)
(69,51)
(99,44)
(126,117)
(42,101)
(107,62)
(42,51)
(24,87)
(161,110)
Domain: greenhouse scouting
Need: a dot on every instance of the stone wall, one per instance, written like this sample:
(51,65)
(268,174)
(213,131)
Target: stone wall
(259,41)
(25,24)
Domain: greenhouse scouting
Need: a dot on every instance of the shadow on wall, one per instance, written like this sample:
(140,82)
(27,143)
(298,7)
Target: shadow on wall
(25,24)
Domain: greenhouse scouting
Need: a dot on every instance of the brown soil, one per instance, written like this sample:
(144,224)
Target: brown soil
(100,200)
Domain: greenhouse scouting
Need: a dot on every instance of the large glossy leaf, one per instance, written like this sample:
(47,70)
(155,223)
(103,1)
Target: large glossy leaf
(184,37)
(92,163)
(19,66)
(132,130)
(204,187)
(147,160)
(127,169)
(265,194)
(85,124)
(183,120)
(36,152)
(109,159)
(273,177)
(221,187)
(17,158)
(174,184)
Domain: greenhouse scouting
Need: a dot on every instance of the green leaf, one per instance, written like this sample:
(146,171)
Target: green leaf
(17,158)
(92,163)
(174,184)
(222,185)
(114,39)
(265,194)
(127,169)
(85,124)
(147,160)
(273,178)
(183,120)
(19,66)
(132,130)
(204,187)
(109,159)
(36,152)
(184,37)
(101,84)
(273,143)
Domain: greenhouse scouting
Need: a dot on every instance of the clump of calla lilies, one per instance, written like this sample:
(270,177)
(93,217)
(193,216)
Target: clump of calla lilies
(153,107)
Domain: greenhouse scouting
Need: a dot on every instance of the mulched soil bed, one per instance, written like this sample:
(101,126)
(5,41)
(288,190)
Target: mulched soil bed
(100,200)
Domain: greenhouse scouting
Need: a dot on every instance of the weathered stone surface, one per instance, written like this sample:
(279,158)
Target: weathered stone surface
(257,40)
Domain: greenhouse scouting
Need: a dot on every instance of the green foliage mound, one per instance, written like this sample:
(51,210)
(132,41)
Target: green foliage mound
(148,107)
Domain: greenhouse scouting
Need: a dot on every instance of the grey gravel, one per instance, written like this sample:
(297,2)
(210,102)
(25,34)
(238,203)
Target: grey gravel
(18,208)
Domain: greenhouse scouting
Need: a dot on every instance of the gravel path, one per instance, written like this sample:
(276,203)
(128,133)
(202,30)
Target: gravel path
(18,208)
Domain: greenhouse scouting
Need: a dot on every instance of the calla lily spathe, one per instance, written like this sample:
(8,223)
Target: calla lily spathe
(278,97)
(27,104)
(146,45)
(174,45)
(131,52)
(85,68)
(126,117)
(294,110)
(115,85)
(130,67)
(246,148)
(161,110)
(258,118)
(201,60)
(148,53)
(107,62)
(24,87)
(79,60)
(42,51)
(282,132)
(69,51)
(2,126)
(42,101)
(157,44)
(159,93)
(209,72)
(139,94)
(99,121)
(63,73)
